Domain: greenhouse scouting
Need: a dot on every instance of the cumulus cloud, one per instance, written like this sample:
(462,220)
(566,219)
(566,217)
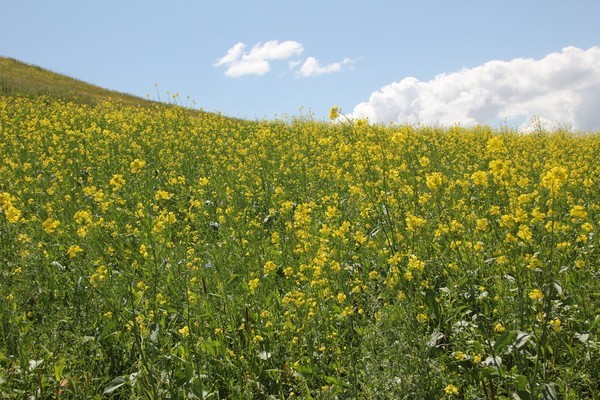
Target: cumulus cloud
(563,87)
(311,67)
(256,62)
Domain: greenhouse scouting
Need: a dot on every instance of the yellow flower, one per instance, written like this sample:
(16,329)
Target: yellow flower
(413,222)
(144,250)
(162,195)
(136,165)
(362,122)
(415,263)
(495,144)
(50,225)
(578,212)
(185,331)
(555,178)
(73,250)
(171,218)
(253,284)
(82,232)
(331,212)
(117,181)
(349,310)
(99,275)
(5,200)
(12,214)
(525,233)
(258,338)
(334,112)
(422,317)
(536,294)
(269,267)
(502,260)
(499,169)
(480,178)
(433,180)
(555,324)
(83,217)
(341,297)
(499,328)
(451,389)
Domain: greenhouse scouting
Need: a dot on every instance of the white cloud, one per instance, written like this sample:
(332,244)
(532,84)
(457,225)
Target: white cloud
(311,67)
(233,55)
(256,62)
(563,87)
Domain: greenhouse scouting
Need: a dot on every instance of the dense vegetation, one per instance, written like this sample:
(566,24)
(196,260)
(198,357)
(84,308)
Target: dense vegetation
(19,78)
(148,252)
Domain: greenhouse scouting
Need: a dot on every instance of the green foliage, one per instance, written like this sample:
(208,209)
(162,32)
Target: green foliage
(18,78)
(148,252)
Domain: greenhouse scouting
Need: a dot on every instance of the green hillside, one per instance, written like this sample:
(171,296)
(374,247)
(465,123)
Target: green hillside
(160,252)
(19,78)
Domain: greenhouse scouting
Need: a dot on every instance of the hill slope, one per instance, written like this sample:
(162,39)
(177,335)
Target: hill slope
(19,78)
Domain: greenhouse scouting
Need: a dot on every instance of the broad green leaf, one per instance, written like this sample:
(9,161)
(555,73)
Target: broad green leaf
(522,339)
(504,341)
(183,376)
(435,338)
(550,392)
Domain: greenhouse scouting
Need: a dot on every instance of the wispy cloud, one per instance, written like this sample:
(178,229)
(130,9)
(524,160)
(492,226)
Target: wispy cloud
(562,87)
(311,67)
(256,62)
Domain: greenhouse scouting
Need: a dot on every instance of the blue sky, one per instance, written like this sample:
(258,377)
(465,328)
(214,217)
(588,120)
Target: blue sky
(131,45)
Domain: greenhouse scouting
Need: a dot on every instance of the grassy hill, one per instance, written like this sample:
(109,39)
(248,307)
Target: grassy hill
(19,78)
(145,253)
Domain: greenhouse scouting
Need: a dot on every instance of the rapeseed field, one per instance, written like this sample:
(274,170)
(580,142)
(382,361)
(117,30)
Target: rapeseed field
(153,253)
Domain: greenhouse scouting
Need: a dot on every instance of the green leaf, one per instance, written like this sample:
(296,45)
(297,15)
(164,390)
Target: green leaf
(431,302)
(521,387)
(59,367)
(304,370)
(559,288)
(108,329)
(522,339)
(504,341)
(549,392)
(211,347)
(115,384)
(182,377)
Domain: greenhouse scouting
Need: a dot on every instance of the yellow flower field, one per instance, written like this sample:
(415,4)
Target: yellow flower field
(152,253)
